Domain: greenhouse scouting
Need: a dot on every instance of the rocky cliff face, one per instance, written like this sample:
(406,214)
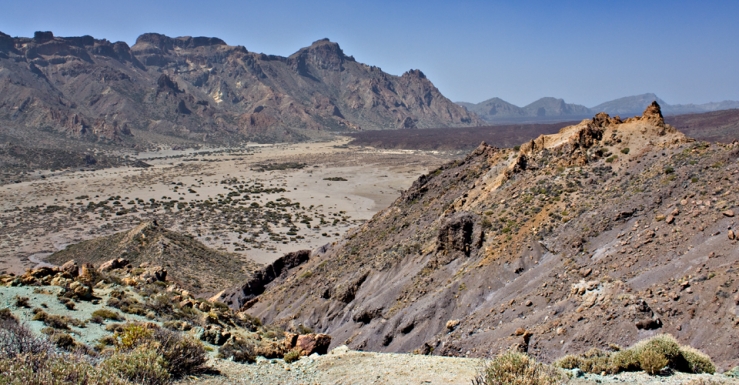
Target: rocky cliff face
(604,233)
(200,88)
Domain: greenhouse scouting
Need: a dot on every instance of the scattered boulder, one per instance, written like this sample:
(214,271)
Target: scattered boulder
(87,272)
(154,274)
(71,268)
(113,264)
(728,213)
(313,343)
(452,324)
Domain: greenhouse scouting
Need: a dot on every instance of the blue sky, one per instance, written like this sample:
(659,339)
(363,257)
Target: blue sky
(586,52)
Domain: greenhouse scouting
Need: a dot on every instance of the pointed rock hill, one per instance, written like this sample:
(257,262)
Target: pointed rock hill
(604,233)
(188,262)
(201,89)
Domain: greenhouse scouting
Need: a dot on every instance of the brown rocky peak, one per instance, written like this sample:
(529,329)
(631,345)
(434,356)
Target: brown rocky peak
(323,54)
(414,73)
(653,114)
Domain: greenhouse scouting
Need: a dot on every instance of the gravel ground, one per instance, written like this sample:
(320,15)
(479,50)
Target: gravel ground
(343,367)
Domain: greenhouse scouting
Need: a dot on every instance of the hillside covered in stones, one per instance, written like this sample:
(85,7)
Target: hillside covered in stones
(181,257)
(601,235)
(199,89)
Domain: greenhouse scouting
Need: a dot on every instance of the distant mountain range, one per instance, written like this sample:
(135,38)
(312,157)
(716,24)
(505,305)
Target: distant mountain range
(202,89)
(549,109)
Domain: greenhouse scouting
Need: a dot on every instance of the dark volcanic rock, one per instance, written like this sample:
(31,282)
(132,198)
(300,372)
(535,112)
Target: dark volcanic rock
(237,297)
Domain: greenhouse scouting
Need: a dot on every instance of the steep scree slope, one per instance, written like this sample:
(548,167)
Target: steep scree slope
(604,233)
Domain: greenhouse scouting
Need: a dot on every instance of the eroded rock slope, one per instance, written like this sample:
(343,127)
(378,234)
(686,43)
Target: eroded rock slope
(605,233)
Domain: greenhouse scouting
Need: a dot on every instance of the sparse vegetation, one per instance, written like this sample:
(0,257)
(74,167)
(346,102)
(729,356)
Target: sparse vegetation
(513,368)
(651,355)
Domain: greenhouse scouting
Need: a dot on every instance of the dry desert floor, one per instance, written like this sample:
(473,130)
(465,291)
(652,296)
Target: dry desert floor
(259,201)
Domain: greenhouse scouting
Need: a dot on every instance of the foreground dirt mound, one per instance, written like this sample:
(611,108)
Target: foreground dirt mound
(193,265)
(605,233)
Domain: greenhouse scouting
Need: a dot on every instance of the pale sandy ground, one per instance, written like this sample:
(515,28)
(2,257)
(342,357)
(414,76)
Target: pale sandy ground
(374,179)
(346,367)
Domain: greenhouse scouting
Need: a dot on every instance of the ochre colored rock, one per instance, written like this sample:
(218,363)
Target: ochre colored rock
(313,343)
(71,268)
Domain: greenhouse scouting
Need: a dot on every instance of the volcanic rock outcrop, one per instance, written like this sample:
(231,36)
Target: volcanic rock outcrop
(201,89)
(560,246)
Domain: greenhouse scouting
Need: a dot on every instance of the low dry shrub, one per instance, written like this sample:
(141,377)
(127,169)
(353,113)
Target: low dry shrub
(107,314)
(651,355)
(238,350)
(697,361)
(142,365)
(514,368)
(16,340)
(292,356)
(51,369)
(652,361)
(183,355)
(21,301)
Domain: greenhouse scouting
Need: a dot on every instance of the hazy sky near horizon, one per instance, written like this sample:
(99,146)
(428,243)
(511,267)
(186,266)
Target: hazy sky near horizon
(586,52)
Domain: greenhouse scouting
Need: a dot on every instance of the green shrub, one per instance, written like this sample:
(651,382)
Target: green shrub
(664,344)
(625,150)
(652,361)
(518,369)
(52,369)
(143,366)
(650,355)
(292,356)
(132,336)
(625,361)
(697,361)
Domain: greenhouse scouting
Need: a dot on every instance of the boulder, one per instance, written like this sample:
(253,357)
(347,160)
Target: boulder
(154,274)
(728,213)
(87,272)
(71,268)
(313,343)
(113,264)
(42,272)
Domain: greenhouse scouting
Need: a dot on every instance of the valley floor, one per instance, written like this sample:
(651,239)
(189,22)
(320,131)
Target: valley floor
(208,194)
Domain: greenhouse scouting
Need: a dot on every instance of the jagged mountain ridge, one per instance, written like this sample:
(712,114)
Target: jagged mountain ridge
(497,110)
(200,88)
(605,233)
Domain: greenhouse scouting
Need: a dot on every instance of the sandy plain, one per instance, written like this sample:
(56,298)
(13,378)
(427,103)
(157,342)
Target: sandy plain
(260,201)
